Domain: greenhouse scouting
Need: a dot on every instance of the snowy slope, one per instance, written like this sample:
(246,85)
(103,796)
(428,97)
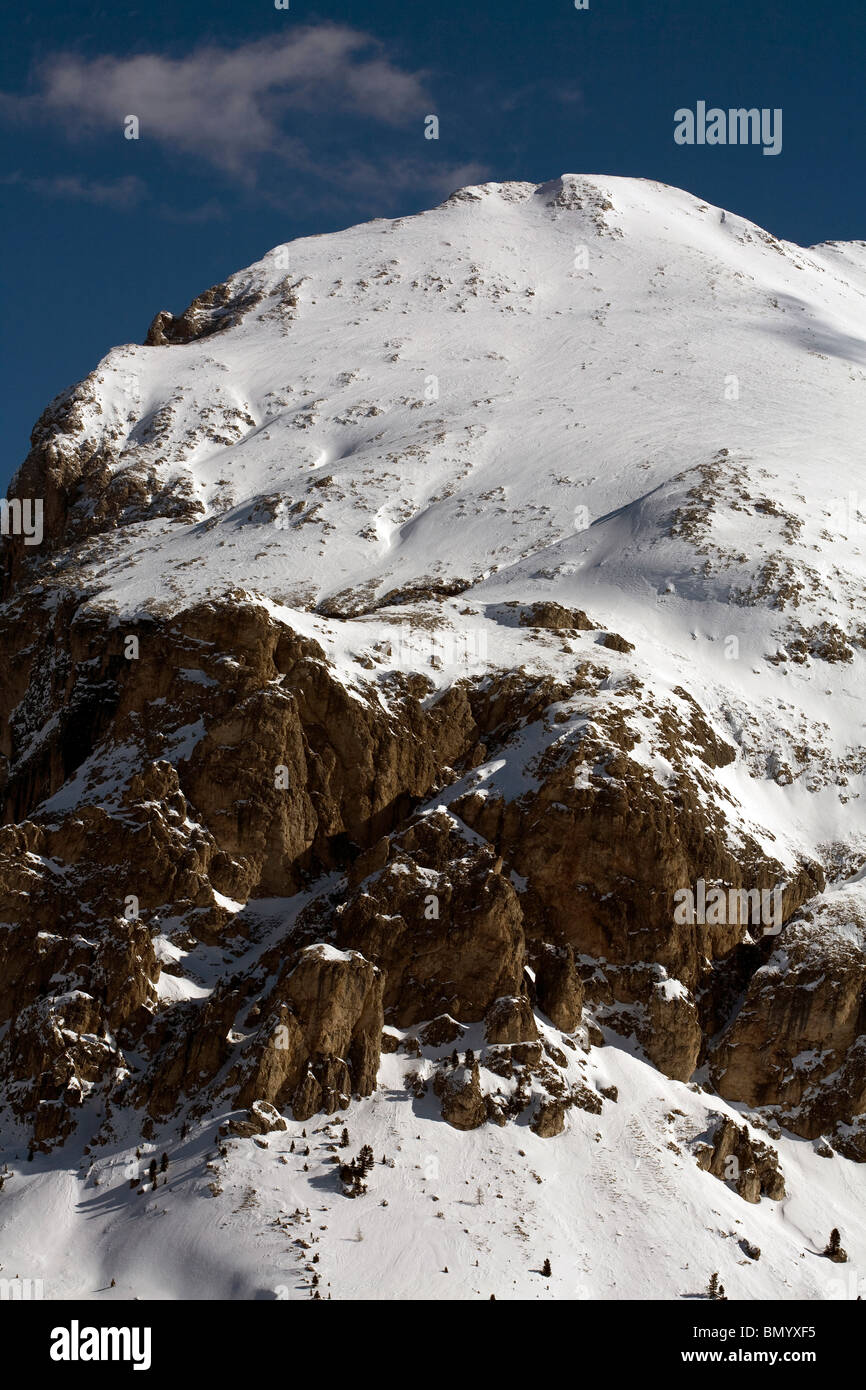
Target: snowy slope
(559,387)
(616,1203)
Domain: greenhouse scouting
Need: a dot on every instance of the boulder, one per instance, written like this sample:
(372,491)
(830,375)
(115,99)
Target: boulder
(549,1119)
(749,1165)
(463,1104)
(510,1020)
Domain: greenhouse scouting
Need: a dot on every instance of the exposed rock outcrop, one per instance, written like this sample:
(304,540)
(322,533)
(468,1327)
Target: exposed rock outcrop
(441,918)
(463,1104)
(797,1044)
(559,988)
(510,1020)
(320,1042)
(751,1167)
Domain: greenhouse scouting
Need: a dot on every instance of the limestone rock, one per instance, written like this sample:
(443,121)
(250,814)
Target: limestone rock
(463,1104)
(266,1117)
(549,1119)
(320,1042)
(797,1042)
(672,1036)
(559,988)
(555,618)
(510,1020)
(441,1031)
(443,923)
(732,1156)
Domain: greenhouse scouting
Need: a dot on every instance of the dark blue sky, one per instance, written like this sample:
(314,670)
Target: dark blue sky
(259,125)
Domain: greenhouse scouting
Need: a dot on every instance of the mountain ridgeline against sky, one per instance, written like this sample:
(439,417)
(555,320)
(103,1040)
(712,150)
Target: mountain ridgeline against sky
(432,708)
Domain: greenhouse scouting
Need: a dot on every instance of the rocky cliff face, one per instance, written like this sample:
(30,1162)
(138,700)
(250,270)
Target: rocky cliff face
(271,814)
(153,800)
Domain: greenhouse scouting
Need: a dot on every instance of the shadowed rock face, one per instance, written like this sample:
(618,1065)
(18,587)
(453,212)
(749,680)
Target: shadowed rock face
(559,988)
(320,1043)
(797,1040)
(285,776)
(443,921)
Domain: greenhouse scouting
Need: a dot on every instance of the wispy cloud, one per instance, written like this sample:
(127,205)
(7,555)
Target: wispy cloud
(567,96)
(373,184)
(540,93)
(210,211)
(117,193)
(226,105)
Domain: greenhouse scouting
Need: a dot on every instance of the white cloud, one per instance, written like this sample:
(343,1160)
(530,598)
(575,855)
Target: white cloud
(226,105)
(118,193)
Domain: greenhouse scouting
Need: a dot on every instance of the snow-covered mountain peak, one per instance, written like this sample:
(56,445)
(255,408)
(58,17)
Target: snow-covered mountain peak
(507,559)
